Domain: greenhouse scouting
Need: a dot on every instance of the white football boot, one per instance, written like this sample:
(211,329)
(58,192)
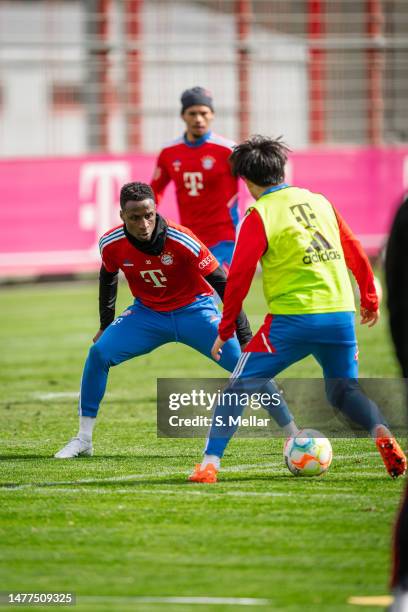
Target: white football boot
(75,448)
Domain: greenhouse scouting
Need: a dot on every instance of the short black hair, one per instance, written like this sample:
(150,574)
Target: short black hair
(136,192)
(261,160)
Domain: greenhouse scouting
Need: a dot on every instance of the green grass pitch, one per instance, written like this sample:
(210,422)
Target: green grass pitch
(125,524)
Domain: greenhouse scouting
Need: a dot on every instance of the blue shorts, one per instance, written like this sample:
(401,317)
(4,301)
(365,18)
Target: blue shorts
(139,330)
(223,252)
(285,339)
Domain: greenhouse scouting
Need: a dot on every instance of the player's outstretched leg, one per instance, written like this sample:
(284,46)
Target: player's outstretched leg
(347,395)
(93,385)
(344,393)
(135,333)
(205,316)
(227,413)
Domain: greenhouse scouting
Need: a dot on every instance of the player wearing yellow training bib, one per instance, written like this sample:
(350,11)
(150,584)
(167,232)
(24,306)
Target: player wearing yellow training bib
(304,268)
(304,248)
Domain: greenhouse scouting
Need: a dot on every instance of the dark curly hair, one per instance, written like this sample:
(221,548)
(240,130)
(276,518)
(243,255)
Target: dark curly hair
(261,160)
(136,192)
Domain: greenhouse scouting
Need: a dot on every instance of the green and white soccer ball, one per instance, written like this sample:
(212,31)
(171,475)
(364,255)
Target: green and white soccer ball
(309,453)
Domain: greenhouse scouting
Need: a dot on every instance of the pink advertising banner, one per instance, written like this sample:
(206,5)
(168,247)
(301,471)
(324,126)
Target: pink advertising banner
(53,211)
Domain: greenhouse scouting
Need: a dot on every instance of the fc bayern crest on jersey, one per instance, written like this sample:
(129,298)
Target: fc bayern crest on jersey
(207,162)
(176,165)
(167,259)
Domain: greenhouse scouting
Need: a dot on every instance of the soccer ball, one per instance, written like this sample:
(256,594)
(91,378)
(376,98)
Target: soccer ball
(309,453)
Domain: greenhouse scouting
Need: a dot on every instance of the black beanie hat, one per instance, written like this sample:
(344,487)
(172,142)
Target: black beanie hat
(196,95)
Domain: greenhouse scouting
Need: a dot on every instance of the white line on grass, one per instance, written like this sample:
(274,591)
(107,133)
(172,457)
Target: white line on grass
(126,477)
(113,479)
(258,467)
(59,486)
(56,395)
(210,601)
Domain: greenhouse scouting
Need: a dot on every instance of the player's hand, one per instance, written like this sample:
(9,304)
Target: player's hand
(369,316)
(97,336)
(217,348)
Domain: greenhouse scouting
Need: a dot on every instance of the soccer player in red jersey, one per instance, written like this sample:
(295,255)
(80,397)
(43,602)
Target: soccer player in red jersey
(206,190)
(172,276)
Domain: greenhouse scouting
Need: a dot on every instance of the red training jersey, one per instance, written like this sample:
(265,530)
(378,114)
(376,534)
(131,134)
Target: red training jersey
(207,193)
(252,244)
(162,282)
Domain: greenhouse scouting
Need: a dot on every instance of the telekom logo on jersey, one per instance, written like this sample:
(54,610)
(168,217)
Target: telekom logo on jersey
(193,182)
(153,276)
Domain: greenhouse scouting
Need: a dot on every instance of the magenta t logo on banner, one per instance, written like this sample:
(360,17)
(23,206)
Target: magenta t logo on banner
(99,187)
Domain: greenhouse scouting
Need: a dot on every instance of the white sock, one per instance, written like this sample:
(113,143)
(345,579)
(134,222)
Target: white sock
(380,431)
(86,425)
(291,429)
(214,459)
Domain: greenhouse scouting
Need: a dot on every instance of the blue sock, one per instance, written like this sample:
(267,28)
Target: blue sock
(347,395)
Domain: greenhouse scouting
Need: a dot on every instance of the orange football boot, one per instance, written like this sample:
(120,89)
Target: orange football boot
(207,475)
(392,455)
